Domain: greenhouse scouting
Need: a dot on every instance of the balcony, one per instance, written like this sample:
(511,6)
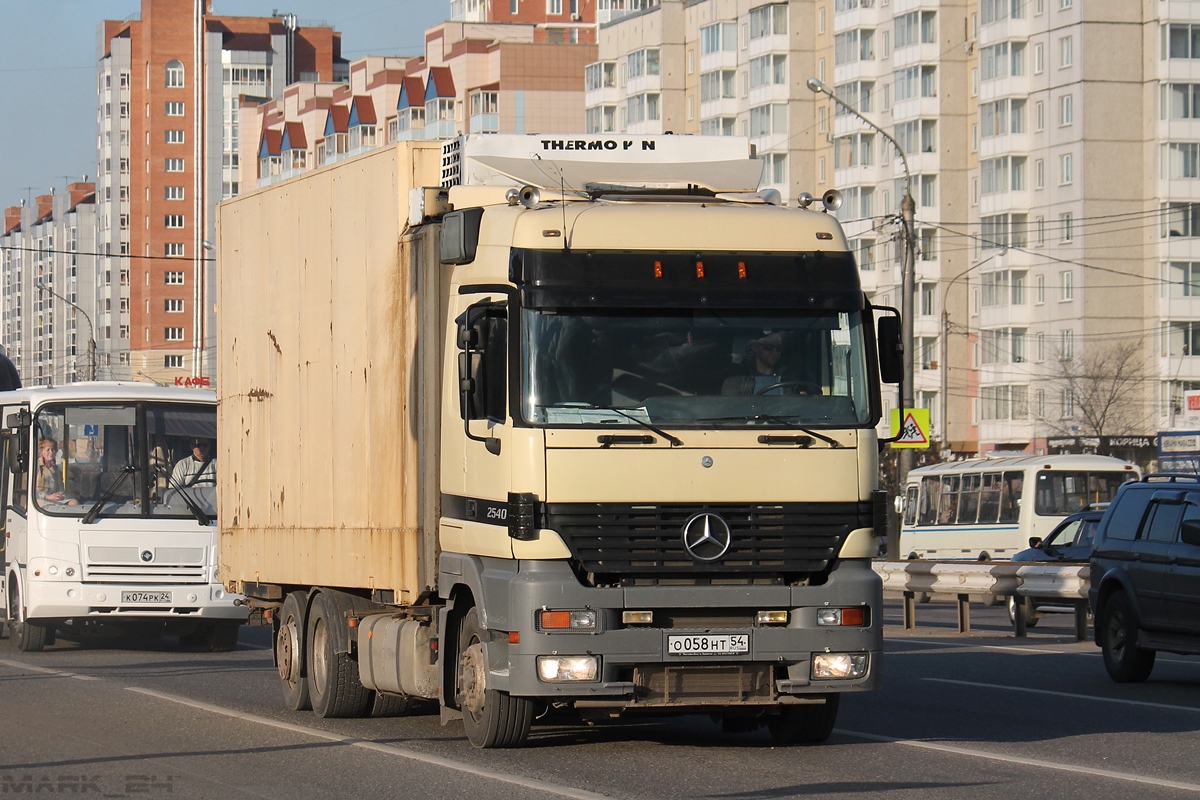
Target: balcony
(775,43)
(721,59)
(605,96)
(724,107)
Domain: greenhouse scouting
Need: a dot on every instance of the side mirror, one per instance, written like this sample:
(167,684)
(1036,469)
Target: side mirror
(16,450)
(891,350)
(483,367)
(1189,532)
(1035,541)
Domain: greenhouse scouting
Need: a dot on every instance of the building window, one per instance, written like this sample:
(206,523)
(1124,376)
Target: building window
(1066,169)
(768,20)
(172,192)
(554,8)
(174,165)
(174,78)
(173,249)
(1066,110)
(173,278)
(173,136)
(1066,232)
(174,220)
(173,334)
(175,108)
(173,306)
(1039,174)
(173,362)
(1039,292)
(1066,52)
(1066,286)
(1181,41)
(1066,345)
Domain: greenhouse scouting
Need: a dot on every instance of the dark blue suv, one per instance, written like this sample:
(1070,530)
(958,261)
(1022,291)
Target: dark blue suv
(1145,574)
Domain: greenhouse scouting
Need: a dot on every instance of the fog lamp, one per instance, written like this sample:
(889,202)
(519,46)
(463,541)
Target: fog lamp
(771,618)
(563,669)
(838,666)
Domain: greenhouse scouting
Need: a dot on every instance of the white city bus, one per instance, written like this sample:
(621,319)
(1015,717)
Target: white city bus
(110,514)
(989,508)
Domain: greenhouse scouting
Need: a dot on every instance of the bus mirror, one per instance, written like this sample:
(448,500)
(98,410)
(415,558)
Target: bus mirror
(899,504)
(19,419)
(17,453)
(891,350)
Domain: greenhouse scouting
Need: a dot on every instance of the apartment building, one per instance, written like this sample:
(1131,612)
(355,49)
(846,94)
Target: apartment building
(474,77)
(169,82)
(46,276)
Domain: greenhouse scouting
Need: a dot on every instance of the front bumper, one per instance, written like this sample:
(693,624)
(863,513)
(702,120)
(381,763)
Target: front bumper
(635,666)
(73,600)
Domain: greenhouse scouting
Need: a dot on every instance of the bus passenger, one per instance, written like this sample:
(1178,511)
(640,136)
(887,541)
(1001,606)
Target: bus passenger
(49,475)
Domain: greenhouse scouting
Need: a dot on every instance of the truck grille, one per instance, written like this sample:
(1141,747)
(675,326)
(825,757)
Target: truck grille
(702,685)
(108,564)
(776,541)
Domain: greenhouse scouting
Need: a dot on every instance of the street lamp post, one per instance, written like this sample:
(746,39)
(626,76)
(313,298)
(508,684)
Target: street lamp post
(907,284)
(90,373)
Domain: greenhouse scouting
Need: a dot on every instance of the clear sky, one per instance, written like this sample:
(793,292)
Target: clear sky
(48,72)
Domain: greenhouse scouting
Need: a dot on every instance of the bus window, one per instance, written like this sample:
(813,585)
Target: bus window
(1010,496)
(931,490)
(1062,492)
(968,499)
(948,502)
(910,505)
(989,497)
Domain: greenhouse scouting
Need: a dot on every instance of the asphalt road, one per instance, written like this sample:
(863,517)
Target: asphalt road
(983,715)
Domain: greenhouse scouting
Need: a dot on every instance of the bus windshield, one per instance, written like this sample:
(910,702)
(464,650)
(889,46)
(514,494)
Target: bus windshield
(126,460)
(694,367)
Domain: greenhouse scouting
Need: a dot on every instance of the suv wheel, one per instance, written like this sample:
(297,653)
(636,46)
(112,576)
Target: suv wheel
(1124,660)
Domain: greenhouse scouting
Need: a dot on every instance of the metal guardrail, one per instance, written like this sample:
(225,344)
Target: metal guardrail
(1067,582)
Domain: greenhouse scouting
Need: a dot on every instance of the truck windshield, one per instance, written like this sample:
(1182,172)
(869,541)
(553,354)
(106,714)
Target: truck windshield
(693,367)
(100,460)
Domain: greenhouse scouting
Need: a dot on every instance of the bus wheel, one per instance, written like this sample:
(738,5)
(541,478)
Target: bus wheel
(333,683)
(805,724)
(28,637)
(289,653)
(491,718)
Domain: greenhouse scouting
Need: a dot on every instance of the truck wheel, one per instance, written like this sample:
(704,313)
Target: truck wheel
(289,653)
(491,718)
(28,637)
(392,705)
(805,724)
(1124,660)
(333,683)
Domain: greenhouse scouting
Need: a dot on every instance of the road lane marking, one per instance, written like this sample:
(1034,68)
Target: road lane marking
(424,758)
(1068,695)
(1029,762)
(58,673)
(966,646)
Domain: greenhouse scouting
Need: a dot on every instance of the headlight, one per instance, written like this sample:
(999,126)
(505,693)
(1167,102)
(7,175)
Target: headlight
(562,669)
(839,666)
(855,616)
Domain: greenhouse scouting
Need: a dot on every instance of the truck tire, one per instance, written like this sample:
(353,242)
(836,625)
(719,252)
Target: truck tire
(26,636)
(289,653)
(1124,660)
(805,724)
(393,705)
(333,684)
(491,718)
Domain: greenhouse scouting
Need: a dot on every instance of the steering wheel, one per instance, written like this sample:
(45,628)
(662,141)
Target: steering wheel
(782,384)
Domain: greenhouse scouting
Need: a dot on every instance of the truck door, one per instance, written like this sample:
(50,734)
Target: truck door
(483,359)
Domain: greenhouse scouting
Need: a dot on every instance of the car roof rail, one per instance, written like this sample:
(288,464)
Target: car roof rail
(1171,477)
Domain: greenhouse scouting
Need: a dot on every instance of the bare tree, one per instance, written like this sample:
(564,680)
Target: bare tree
(1104,390)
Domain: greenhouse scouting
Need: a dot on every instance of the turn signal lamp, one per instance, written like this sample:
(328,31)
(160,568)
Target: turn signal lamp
(567,620)
(854,617)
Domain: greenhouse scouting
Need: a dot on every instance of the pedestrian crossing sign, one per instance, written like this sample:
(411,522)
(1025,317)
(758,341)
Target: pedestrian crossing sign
(915,431)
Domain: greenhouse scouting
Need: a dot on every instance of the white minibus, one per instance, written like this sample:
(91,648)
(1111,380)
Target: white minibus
(989,508)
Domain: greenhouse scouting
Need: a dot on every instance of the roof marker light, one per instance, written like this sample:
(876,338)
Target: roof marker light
(699,269)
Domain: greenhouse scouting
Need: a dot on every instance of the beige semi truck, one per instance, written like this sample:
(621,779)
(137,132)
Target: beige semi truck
(582,424)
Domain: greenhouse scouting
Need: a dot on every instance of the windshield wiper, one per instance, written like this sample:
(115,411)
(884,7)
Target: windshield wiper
(94,511)
(188,501)
(675,441)
(781,420)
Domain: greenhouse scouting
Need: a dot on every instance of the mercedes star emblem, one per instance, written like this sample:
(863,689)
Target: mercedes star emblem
(147,556)
(706,537)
